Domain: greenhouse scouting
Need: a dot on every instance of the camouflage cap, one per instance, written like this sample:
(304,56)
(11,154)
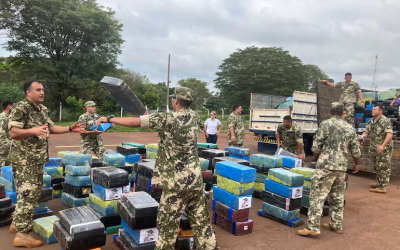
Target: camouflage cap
(90,104)
(183,93)
(337,107)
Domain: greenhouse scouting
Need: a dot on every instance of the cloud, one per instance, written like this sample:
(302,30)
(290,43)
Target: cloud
(337,35)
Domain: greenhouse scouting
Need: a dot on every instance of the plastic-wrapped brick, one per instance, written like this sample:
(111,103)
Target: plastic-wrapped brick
(207,145)
(212,153)
(186,243)
(78,192)
(40,207)
(234,187)
(236,172)
(57,193)
(235,228)
(140,204)
(61,154)
(261,177)
(286,177)
(153,147)
(96,163)
(127,240)
(266,160)
(280,201)
(258,186)
(107,220)
(71,201)
(46,194)
(5,202)
(12,195)
(231,200)
(293,223)
(151,155)
(77,170)
(107,194)
(141,147)
(285,191)
(128,168)
(78,159)
(46,181)
(79,181)
(156,195)
(69,243)
(54,172)
(290,162)
(306,200)
(306,172)
(2,191)
(132,158)
(141,236)
(145,168)
(204,164)
(127,150)
(53,162)
(280,213)
(110,177)
(246,158)
(281,151)
(9,186)
(238,151)
(104,207)
(228,213)
(44,228)
(140,221)
(231,159)
(115,160)
(6,211)
(6,221)
(307,185)
(7,173)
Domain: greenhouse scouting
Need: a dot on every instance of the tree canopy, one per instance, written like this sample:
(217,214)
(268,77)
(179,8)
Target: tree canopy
(201,92)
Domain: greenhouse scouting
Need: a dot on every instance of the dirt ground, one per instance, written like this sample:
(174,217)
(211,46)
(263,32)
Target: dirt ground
(370,220)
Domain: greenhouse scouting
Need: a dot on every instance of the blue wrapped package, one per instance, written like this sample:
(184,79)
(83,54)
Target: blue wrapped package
(204,164)
(79,181)
(77,170)
(10,186)
(280,213)
(235,171)
(54,172)
(238,151)
(231,200)
(140,236)
(40,207)
(12,196)
(7,173)
(246,158)
(290,162)
(234,187)
(77,159)
(53,162)
(102,127)
(266,160)
(44,228)
(106,194)
(285,191)
(114,160)
(57,193)
(103,207)
(46,181)
(286,177)
(133,158)
(70,201)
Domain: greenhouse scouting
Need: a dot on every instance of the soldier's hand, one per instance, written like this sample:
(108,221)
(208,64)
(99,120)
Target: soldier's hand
(356,168)
(233,138)
(97,132)
(101,120)
(391,104)
(278,145)
(77,127)
(41,131)
(300,156)
(380,149)
(363,105)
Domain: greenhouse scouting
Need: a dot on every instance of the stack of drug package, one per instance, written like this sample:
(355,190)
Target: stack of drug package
(210,154)
(262,164)
(54,168)
(57,183)
(215,160)
(79,228)
(186,239)
(240,153)
(42,208)
(7,179)
(141,148)
(289,160)
(138,212)
(124,159)
(151,151)
(44,228)
(144,173)
(130,153)
(6,207)
(282,197)
(108,185)
(208,177)
(201,146)
(77,183)
(233,197)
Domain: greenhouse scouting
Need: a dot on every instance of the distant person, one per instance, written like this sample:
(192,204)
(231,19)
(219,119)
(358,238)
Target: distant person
(211,126)
(397,96)
(349,91)
(236,132)
(5,139)
(291,136)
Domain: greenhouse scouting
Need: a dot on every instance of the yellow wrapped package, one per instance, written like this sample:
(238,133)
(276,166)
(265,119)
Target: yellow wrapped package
(258,186)
(103,207)
(235,187)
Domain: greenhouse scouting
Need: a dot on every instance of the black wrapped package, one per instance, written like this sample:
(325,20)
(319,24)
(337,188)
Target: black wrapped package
(260,168)
(140,204)
(5,202)
(119,244)
(5,221)
(46,194)
(4,212)
(212,153)
(128,168)
(81,222)
(2,191)
(155,195)
(96,163)
(57,183)
(186,243)
(77,192)
(227,158)
(127,150)
(131,244)
(107,220)
(208,186)
(185,223)
(139,222)
(110,177)
(257,194)
(280,201)
(69,243)
(145,168)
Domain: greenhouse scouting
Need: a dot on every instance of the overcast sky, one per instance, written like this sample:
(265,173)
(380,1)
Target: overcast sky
(337,35)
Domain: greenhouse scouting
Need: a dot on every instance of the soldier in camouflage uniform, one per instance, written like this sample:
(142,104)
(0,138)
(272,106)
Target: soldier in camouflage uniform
(5,139)
(91,140)
(333,142)
(349,91)
(380,132)
(177,171)
(396,96)
(30,125)
(236,133)
(292,138)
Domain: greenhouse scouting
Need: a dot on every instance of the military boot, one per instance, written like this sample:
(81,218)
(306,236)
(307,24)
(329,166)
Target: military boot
(378,190)
(306,232)
(373,185)
(12,228)
(25,240)
(328,227)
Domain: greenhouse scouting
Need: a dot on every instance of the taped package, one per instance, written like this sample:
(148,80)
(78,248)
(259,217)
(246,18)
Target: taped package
(235,228)
(141,236)
(53,162)
(280,201)
(71,201)
(115,160)
(235,171)
(78,192)
(286,177)
(77,159)
(234,187)
(231,200)
(110,177)
(77,170)
(280,213)
(79,181)
(228,213)
(285,191)
(103,207)
(145,168)
(266,160)
(44,228)
(238,151)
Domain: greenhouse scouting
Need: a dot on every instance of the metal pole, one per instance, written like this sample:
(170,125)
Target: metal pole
(222,114)
(169,61)
(59,117)
(122,110)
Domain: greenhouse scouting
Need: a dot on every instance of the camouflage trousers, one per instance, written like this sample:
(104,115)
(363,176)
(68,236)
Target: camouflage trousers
(3,160)
(28,182)
(350,113)
(97,147)
(232,144)
(172,205)
(326,183)
(382,166)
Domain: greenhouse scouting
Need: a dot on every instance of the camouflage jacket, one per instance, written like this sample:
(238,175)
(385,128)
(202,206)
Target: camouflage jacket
(34,149)
(236,122)
(90,121)
(348,91)
(334,141)
(377,133)
(5,139)
(177,164)
(290,136)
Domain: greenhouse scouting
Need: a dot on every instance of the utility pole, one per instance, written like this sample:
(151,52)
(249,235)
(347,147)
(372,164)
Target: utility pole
(169,61)
(375,78)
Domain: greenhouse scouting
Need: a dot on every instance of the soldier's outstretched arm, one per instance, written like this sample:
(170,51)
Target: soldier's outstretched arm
(328,83)
(132,122)
(76,127)
(21,134)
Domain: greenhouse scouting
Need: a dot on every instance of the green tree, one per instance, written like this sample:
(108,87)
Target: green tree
(73,42)
(11,92)
(315,74)
(201,92)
